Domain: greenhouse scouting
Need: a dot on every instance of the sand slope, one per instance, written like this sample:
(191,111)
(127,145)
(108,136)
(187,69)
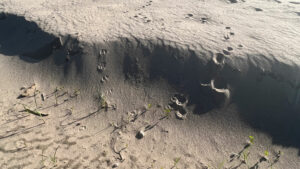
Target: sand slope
(105,74)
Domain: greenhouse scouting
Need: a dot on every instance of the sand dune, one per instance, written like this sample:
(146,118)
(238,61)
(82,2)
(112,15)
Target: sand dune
(149,84)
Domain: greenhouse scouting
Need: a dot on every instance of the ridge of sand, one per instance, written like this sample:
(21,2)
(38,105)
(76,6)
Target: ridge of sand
(237,64)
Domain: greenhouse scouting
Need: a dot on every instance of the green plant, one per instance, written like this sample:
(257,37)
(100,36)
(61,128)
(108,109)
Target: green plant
(176,161)
(266,153)
(34,112)
(167,110)
(251,139)
(167,113)
(245,157)
(53,158)
(149,106)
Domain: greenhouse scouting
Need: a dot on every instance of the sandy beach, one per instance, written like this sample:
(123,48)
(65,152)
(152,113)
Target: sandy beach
(150,84)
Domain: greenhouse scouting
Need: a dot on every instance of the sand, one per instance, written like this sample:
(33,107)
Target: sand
(149,84)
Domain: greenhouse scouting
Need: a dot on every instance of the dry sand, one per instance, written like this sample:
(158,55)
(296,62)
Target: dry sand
(149,84)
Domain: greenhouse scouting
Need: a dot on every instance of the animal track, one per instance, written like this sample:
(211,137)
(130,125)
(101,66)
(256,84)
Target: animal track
(258,9)
(104,79)
(178,103)
(226,52)
(141,17)
(149,3)
(236,1)
(293,2)
(189,15)
(229,48)
(102,60)
(219,59)
(229,33)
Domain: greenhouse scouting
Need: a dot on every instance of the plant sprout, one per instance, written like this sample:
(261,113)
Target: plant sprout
(53,158)
(167,112)
(266,153)
(176,161)
(34,112)
(251,139)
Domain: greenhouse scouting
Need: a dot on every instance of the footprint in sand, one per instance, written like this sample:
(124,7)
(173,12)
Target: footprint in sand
(258,9)
(236,1)
(219,59)
(20,144)
(229,33)
(104,78)
(293,2)
(226,52)
(229,48)
(204,19)
(102,60)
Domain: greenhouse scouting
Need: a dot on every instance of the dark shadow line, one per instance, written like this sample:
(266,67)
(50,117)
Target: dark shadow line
(80,119)
(14,120)
(16,133)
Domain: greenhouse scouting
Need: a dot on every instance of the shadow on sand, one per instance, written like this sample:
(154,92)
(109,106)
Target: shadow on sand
(265,104)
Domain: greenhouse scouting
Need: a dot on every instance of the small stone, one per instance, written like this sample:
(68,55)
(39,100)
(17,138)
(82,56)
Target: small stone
(140,134)
(115,165)
(82,128)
